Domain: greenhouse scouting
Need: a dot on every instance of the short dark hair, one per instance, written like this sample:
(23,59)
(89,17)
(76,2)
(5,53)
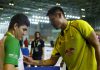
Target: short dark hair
(36,33)
(54,9)
(20,19)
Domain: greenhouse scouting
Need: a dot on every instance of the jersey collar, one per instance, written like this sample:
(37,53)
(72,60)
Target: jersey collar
(8,33)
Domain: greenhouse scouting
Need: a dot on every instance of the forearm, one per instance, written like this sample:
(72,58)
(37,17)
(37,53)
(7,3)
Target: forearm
(48,62)
(9,67)
(93,40)
(43,62)
(30,53)
(97,53)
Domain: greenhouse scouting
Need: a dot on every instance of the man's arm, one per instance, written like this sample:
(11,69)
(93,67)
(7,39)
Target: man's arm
(49,62)
(2,52)
(31,52)
(32,45)
(42,52)
(9,67)
(95,42)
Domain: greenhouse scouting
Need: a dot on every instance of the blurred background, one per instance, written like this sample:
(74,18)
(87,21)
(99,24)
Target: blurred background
(36,10)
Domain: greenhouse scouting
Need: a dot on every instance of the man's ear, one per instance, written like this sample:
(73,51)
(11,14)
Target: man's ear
(15,26)
(60,15)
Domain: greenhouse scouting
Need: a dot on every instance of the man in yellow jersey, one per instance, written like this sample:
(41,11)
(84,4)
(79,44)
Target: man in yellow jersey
(17,29)
(77,43)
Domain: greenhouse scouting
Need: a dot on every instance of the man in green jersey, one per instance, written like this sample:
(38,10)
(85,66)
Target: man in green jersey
(17,29)
(77,43)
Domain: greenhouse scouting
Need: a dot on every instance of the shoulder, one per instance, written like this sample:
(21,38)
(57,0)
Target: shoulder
(41,40)
(10,39)
(77,22)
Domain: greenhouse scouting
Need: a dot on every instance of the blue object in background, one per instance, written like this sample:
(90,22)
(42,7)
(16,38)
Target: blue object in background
(25,51)
(43,68)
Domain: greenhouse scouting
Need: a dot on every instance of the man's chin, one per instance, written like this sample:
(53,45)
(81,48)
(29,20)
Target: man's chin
(20,38)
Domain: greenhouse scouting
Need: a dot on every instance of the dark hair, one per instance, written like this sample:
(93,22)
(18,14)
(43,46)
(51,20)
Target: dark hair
(20,19)
(35,34)
(54,9)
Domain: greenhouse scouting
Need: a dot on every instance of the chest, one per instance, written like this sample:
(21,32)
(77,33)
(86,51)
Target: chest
(36,43)
(70,41)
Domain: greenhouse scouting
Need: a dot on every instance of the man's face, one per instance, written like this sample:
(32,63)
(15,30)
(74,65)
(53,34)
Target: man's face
(37,35)
(55,20)
(21,31)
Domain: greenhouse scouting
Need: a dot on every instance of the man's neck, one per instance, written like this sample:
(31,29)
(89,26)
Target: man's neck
(64,25)
(12,32)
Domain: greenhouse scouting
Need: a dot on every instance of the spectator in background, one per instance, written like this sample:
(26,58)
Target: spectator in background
(25,50)
(52,43)
(26,42)
(37,47)
(21,42)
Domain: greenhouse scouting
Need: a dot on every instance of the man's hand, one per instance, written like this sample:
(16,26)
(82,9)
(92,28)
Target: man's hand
(28,60)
